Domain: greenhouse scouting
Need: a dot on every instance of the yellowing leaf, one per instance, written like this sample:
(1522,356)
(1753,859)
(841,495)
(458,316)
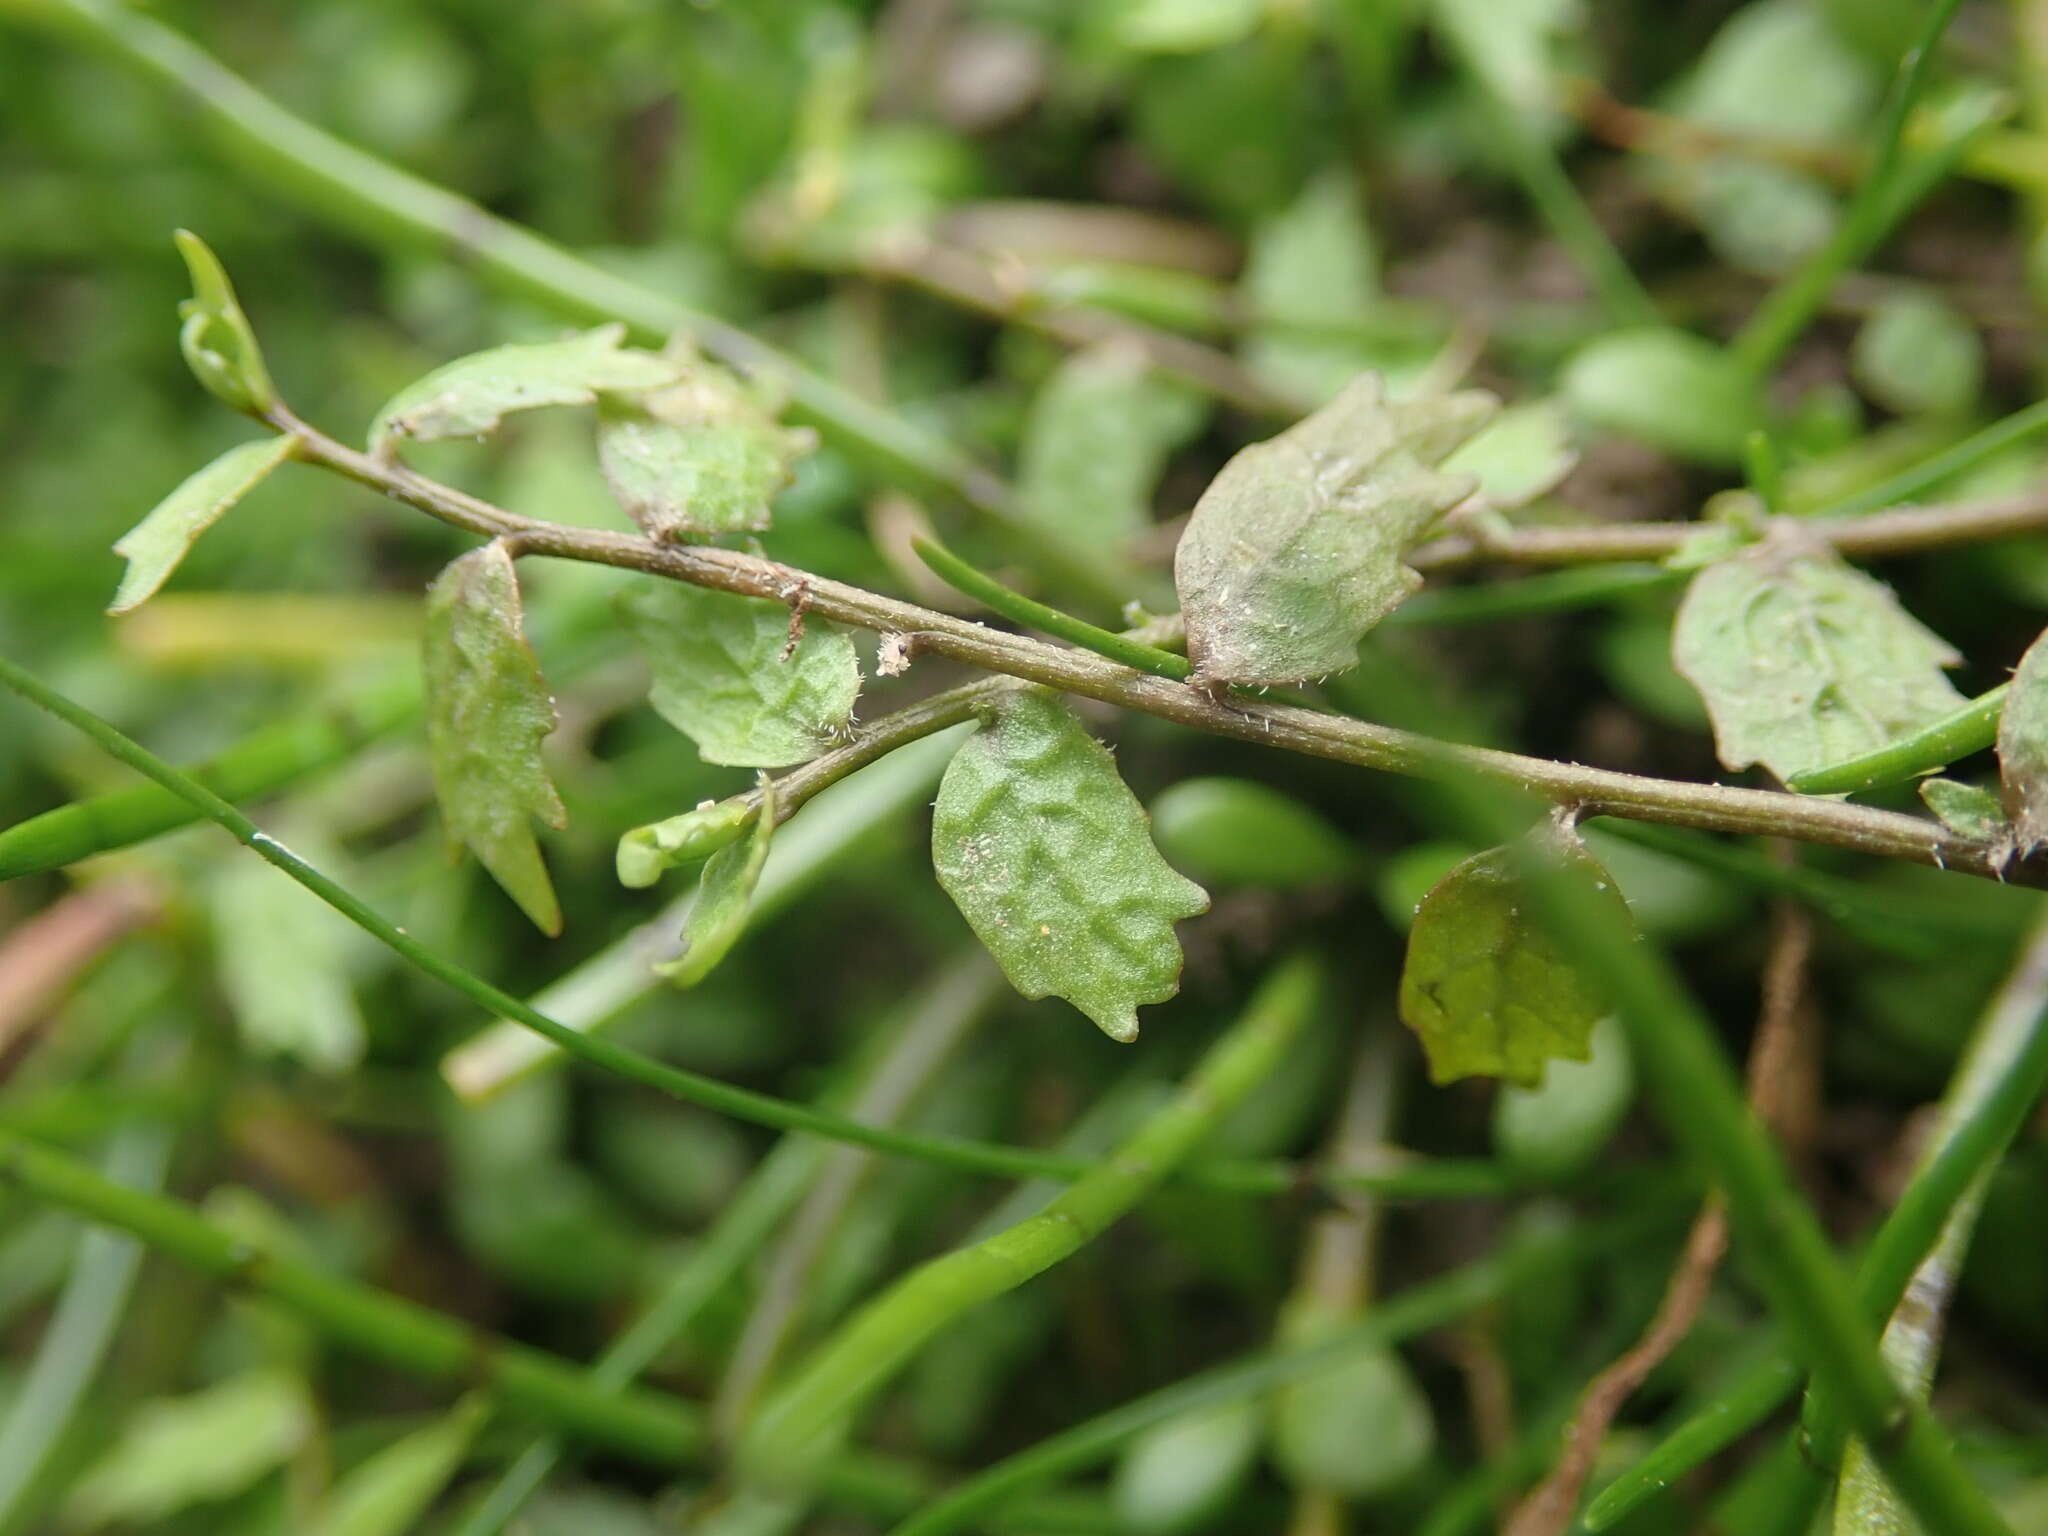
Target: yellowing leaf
(2023,748)
(487,709)
(725,892)
(1803,660)
(471,395)
(1049,858)
(1484,986)
(1099,434)
(699,458)
(1294,551)
(154,546)
(726,676)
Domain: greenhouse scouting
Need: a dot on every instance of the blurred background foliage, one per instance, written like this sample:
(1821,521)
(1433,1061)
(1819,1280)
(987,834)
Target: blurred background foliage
(1309,188)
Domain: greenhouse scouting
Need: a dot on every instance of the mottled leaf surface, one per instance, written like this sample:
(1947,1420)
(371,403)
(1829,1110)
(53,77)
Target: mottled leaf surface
(725,894)
(472,395)
(1050,859)
(154,546)
(1967,809)
(722,678)
(1294,551)
(701,458)
(488,709)
(2023,747)
(1484,986)
(1804,660)
(1098,436)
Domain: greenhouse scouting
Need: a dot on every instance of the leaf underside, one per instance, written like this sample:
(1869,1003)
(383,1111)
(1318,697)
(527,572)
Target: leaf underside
(698,459)
(1294,551)
(1804,660)
(1484,987)
(721,677)
(471,395)
(488,709)
(154,547)
(1050,859)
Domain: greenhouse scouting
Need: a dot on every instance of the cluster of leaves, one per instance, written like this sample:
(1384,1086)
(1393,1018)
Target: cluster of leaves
(823,153)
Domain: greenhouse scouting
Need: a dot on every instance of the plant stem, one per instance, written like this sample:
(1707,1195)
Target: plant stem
(1269,1178)
(1969,729)
(338,182)
(1876,207)
(808,1418)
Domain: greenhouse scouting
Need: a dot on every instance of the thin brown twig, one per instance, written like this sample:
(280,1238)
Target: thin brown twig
(1549,1507)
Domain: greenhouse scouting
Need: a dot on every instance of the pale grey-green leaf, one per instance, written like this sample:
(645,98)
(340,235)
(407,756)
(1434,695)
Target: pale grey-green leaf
(1294,551)
(1919,354)
(173,1452)
(1803,660)
(698,459)
(1668,388)
(726,676)
(1050,859)
(488,709)
(725,894)
(1522,453)
(2023,747)
(154,546)
(472,395)
(1484,985)
(1099,434)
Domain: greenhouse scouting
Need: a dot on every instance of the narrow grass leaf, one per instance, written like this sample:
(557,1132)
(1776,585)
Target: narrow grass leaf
(1294,551)
(487,709)
(1484,986)
(698,459)
(1803,660)
(154,547)
(725,894)
(471,395)
(728,677)
(1050,859)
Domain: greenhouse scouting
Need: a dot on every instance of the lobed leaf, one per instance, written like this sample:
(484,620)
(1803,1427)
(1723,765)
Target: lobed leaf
(1484,986)
(2023,748)
(1050,859)
(1803,660)
(726,676)
(725,893)
(471,395)
(1099,434)
(154,547)
(1294,551)
(487,709)
(699,458)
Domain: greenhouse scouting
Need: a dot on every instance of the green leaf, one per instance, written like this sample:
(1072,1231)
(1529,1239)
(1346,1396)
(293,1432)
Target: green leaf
(1674,390)
(1803,660)
(1099,434)
(471,395)
(1294,551)
(284,964)
(1186,26)
(154,546)
(1239,832)
(1522,454)
(1181,1474)
(646,852)
(697,459)
(1484,986)
(1048,857)
(487,709)
(2023,747)
(1918,354)
(1360,1429)
(725,893)
(388,1494)
(1557,1129)
(216,337)
(1968,809)
(1521,48)
(726,676)
(173,1452)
